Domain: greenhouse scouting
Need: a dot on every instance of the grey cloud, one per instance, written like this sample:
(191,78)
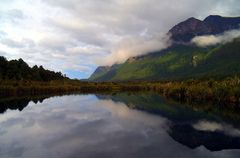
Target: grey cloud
(133,16)
(86,50)
(2,34)
(2,53)
(28,43)
(11,43)
(16,14)
(89,34)
(230,7)
(81,68)
(14,149)
(17,44)
(13,15)
(54,44)
(128,19)
(74,33)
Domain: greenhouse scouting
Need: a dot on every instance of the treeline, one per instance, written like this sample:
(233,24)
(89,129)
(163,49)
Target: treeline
(20,70)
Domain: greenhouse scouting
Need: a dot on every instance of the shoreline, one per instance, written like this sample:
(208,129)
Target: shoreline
(225,91)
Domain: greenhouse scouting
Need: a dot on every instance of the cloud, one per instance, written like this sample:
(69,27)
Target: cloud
(2,34)
(11,43)
(2,53)
(12,16)
(17,44)
(64,34)
(209,40)
(16,13)
(132,47)
(85,50)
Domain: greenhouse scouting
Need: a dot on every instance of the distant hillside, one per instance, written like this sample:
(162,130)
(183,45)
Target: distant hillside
(182,60)
(19,70)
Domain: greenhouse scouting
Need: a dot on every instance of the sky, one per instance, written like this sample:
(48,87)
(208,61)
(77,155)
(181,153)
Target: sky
(76,36)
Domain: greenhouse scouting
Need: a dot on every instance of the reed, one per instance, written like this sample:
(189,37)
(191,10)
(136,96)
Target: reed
(226,90)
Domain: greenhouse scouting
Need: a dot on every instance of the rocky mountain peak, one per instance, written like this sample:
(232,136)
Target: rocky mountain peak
(213,24)
(212,18)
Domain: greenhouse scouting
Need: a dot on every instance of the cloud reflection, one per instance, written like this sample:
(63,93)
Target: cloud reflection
(84,126)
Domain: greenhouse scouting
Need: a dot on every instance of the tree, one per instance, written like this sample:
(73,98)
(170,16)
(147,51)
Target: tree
(19,70)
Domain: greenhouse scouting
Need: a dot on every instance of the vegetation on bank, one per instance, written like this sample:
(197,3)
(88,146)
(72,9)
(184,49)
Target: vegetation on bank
(18,79)
(224,91)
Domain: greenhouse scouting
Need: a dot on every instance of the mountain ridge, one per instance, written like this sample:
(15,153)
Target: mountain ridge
(151,66)
(211,25)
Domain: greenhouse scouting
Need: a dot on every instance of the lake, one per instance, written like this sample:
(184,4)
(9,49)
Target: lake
(116,126)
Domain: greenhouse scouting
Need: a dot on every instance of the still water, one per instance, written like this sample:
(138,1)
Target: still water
(118,126)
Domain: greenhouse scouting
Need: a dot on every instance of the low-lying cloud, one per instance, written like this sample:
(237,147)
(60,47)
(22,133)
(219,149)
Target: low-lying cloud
(209,40)
(76,35)
(132,47)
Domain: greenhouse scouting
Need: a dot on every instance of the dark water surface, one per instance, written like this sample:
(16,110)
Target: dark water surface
(119,126)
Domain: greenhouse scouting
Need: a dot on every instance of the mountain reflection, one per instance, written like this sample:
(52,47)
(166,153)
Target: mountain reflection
(119,125)
(183,127)
(212,140)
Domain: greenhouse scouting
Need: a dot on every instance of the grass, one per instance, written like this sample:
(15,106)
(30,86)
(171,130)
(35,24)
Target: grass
(226,91)
(181,62)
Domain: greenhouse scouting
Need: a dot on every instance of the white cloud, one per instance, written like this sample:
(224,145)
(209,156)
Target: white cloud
(66,34)
(209,40)
(134,46)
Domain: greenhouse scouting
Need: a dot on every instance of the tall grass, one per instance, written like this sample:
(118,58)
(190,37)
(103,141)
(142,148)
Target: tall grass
(225,91)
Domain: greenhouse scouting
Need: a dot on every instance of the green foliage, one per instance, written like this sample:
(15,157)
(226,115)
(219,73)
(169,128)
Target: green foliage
(19,70)
(224,91)
(180,62)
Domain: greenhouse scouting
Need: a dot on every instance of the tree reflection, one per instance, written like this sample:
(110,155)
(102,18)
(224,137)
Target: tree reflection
(19,103)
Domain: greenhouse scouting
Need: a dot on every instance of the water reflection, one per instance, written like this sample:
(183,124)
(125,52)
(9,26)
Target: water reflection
(113,126)
(19,103)
(213,140)
(189,127)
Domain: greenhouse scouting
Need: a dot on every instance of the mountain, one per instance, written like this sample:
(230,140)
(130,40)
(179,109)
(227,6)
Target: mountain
(103,72)
(181,60)
(212,25)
